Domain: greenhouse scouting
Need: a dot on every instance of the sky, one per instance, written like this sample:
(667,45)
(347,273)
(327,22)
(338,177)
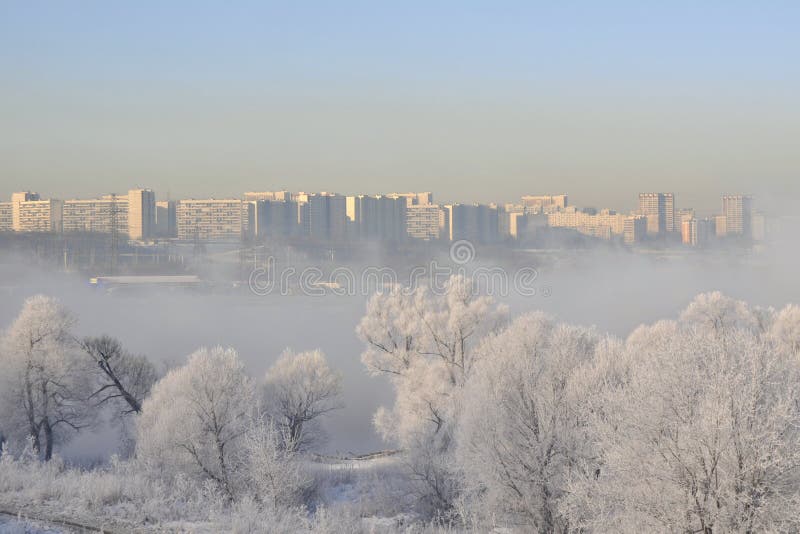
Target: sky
(475,101)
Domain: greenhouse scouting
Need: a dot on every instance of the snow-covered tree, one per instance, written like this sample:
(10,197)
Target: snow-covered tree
(786,329)
(523,425)
(122,378)
(299,389)
(194,419)
(44,380)
(269,471)
(424,342)
(718,313)
(701,435)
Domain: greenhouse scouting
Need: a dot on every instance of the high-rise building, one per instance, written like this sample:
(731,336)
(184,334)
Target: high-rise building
(540,203)
(6,217)
(659,208)
(165,224)
(379,217)
(327,214)
(705,231)
(460,222)
(720,225)
(17,199)
(488,221)
(392,214)
(422,221)
(635,229)
(39,216)
(689,232)
(737,211)
(479,223)
(605,224)
(141,213)
(302,200)
(684,214)
(205,219)
(513,223)
(104,215)
(275,219)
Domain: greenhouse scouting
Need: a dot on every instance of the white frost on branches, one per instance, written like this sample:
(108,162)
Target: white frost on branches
(298,390)
(195,417)
(45,382)
(425,343)
(523,428)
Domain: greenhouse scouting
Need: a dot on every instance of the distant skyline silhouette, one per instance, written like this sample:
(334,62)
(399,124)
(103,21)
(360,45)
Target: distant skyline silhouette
(475,101)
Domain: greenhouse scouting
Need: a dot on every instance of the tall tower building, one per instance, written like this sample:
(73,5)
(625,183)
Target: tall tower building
(165,225)
(689,232)
(635,229)
(737,210)
(327,216)
(659,209)
(141,213)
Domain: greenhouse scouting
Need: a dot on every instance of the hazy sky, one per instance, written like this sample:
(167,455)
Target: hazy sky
(472,100)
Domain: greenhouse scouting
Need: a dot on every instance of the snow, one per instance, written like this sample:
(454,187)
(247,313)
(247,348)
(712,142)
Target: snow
(13,525)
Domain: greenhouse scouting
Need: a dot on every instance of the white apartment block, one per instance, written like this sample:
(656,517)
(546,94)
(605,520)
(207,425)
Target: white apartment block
(101,215)
(207,219)
(604,225)
(659,208)
(422,221)
(17,199)
(141,213)
(6,217)
(737,210)
(38,216)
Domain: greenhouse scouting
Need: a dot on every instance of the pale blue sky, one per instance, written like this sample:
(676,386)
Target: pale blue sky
(472,100)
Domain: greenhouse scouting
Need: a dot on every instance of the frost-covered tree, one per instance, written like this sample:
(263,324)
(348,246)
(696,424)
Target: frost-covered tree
(299,389)
(194,419)
(523,428)
(786,329)
(702,434)
(44,380)
(424,342)
(717,313)
(122,379)
(269,471)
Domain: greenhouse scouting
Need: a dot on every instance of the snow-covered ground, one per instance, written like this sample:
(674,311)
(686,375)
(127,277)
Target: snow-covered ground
(367,494)
(12,525)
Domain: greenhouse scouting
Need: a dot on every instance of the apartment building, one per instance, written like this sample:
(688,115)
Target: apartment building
(659,208)
(212,219)
(99,215)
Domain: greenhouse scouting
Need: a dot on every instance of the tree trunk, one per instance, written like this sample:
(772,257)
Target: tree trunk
(48,440)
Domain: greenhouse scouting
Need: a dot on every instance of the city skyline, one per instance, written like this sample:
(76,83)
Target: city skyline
(492,103)
(628,201)
(332,218)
